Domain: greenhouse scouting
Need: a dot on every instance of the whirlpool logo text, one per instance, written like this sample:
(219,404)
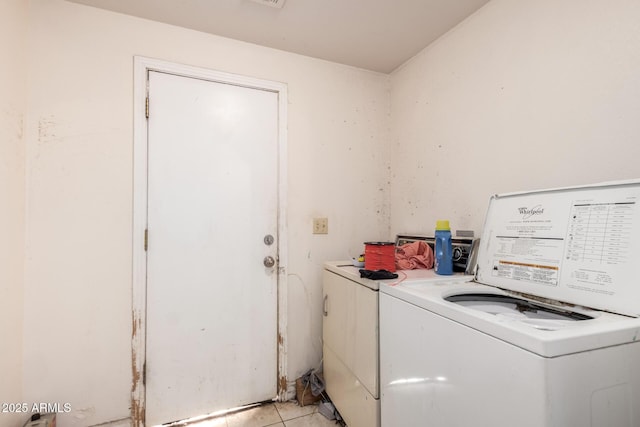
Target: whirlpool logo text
(529,212)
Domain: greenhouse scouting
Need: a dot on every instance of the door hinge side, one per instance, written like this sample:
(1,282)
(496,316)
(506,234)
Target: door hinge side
(146,107)
(146,239)
(144,374)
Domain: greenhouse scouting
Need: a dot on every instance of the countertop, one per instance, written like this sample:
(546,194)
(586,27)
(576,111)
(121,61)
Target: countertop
(346,269)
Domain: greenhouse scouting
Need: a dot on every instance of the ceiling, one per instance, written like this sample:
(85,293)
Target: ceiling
(378,35)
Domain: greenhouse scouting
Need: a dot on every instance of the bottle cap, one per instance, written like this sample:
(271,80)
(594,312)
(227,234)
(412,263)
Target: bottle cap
(442,224)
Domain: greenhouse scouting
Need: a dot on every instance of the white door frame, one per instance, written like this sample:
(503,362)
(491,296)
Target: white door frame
(142,66)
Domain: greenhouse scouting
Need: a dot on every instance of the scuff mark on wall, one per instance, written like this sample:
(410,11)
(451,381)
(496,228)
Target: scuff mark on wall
(47,130)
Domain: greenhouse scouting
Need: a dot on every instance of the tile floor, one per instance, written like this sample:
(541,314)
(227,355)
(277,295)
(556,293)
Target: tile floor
(278,414)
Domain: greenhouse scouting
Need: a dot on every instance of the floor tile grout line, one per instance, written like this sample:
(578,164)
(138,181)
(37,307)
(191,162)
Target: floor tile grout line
(295,418)
(282,422)
(315,409)
(278,411)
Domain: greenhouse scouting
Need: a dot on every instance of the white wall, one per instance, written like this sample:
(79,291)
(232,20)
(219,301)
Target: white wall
(79,190)
(522,95)
(13,38)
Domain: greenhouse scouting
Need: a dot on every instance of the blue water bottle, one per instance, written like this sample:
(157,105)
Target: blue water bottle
(443,252)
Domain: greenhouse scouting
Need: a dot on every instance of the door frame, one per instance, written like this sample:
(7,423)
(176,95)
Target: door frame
(142,66)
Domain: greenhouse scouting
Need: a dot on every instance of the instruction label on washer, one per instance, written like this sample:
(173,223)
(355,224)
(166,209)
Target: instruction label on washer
(563,243)
(529,243)
(599,243)
(534,259)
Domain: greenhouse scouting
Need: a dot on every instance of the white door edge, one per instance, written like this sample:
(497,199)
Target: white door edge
(142,66)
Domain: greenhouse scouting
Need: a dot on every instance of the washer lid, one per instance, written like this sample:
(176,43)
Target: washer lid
(512,308)
(578,245)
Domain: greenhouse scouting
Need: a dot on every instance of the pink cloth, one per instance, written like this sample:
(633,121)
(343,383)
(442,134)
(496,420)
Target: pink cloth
(414,255)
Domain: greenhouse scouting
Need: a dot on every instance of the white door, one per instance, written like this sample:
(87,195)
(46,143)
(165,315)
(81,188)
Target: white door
(212,199)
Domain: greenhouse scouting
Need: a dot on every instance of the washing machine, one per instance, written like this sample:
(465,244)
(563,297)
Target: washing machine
(546,335)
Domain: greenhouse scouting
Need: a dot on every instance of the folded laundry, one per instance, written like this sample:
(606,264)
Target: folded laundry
(414,255)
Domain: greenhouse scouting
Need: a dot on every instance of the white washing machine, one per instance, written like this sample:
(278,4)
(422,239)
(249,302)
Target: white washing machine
(546,335)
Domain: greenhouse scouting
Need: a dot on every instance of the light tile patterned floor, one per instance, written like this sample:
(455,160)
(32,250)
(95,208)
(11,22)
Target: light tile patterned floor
(286,414)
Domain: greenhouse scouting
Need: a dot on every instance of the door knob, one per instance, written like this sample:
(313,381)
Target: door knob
(268,261)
